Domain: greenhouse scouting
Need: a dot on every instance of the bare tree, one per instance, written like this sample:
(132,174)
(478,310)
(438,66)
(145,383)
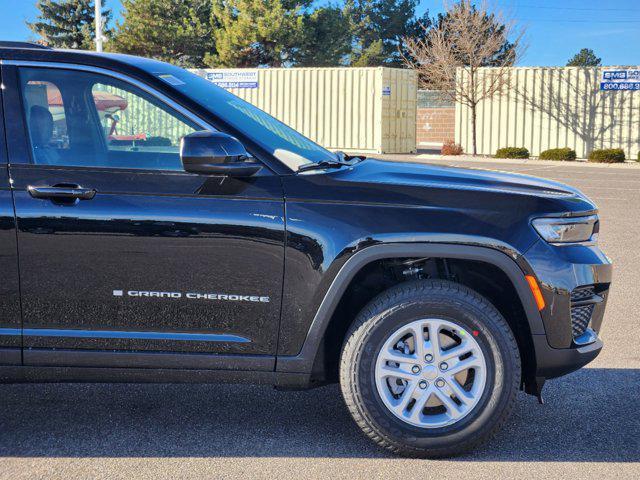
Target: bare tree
(467,38)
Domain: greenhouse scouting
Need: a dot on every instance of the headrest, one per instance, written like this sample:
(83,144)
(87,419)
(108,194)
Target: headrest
(40,125)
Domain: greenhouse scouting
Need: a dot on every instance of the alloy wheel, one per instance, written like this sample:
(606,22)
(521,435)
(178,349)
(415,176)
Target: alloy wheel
(431,373)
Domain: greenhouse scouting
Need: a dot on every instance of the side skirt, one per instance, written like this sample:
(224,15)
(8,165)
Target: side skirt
(153,360)
(32,374)
(86,366)
(10,356)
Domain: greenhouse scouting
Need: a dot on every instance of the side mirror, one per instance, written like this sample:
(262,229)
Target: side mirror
(216,153)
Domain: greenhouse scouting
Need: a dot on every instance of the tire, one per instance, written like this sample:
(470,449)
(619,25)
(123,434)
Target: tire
(447,303)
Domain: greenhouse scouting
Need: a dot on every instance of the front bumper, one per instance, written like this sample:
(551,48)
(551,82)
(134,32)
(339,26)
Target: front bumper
(555,362)
(575,282)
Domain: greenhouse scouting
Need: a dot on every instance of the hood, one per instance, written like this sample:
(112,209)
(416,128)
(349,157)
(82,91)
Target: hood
(415,183)
(415,174)
(387,201)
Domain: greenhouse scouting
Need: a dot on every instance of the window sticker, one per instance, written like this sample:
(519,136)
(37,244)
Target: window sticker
(170,79)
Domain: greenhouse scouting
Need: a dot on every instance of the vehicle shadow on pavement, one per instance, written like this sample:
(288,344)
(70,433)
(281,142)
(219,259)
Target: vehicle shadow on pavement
(592,416)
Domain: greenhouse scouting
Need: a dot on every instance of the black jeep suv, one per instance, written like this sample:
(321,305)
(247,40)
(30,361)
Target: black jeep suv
(156,228)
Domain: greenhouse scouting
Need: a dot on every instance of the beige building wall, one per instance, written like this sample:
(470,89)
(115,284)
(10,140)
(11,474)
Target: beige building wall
(370,110)
(553,108)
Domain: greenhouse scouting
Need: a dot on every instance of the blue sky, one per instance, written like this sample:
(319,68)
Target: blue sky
(556,29)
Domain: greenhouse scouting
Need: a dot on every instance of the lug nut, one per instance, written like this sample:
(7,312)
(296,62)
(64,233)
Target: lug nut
(415,369)
(440,383)
(444,366)
(423,384)
(428,358)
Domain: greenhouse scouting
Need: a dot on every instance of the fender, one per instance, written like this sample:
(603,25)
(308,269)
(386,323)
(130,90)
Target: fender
(303,362)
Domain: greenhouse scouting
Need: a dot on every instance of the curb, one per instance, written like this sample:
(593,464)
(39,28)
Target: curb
(506,161)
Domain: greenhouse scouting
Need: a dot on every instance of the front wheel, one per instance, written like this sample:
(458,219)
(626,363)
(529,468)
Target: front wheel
(430,369)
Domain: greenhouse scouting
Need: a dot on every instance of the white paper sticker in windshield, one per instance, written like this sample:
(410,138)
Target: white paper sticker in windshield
(170,79)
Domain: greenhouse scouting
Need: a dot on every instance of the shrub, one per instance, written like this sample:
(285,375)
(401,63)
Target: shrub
(512,152)
(451,148)
(558,154)
(611,155)
(639,156)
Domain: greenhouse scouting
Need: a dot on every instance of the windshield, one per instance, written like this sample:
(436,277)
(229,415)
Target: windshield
(286,144)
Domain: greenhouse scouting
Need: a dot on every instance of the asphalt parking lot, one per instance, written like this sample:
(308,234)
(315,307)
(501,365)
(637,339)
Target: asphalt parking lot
(588,428)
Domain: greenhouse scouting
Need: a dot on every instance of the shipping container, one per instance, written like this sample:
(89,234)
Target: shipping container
(368,110)
(545,108)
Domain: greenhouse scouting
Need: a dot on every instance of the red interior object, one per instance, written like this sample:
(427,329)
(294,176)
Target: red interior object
(129,138)
(104,100)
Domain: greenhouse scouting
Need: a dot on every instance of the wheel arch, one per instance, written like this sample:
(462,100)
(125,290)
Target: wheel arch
(311,349)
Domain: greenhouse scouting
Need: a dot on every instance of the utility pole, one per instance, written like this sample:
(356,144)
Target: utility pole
(98,16)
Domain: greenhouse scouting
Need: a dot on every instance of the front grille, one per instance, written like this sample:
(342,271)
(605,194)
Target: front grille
(582,293)
(580,318)
(581,313)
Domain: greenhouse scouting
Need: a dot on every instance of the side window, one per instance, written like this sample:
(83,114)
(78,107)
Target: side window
(79,118)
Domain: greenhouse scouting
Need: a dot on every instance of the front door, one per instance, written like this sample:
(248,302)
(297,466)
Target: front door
(120,250)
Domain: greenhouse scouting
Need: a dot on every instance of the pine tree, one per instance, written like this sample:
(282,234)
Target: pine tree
(255,33)
(175,31)
(378,27)
(68,23)
(327,39)
(585,58)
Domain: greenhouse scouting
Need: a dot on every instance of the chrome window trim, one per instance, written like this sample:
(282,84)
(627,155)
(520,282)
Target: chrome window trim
(111,73)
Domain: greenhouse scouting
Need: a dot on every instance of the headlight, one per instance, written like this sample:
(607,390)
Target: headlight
(568,230)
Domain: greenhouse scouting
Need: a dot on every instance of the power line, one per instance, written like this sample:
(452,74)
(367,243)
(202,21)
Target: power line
(556,20)
(580,9)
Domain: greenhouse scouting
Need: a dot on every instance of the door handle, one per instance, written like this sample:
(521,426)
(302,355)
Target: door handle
(61,192)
